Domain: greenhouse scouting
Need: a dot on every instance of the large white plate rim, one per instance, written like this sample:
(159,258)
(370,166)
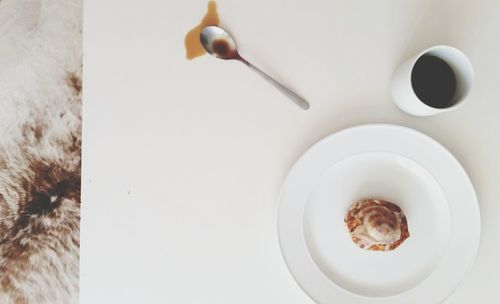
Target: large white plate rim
(464,240)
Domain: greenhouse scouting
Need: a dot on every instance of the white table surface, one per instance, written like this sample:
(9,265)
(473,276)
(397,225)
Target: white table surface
(183,160)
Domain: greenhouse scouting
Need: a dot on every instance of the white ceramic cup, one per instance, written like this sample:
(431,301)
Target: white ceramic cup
(402,90)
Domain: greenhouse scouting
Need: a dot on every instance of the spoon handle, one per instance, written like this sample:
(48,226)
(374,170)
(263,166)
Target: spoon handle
(301,102)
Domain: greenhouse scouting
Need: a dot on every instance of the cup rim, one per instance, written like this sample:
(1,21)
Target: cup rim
(464,97)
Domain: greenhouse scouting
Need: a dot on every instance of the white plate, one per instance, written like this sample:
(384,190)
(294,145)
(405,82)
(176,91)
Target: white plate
(392,163)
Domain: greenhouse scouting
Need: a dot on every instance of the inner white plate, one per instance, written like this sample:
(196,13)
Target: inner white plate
(387,162)
(385,176)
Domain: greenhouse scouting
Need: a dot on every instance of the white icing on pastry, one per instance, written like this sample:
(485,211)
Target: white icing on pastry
(377,224)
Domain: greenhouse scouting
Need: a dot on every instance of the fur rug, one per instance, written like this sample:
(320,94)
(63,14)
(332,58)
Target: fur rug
(40,148)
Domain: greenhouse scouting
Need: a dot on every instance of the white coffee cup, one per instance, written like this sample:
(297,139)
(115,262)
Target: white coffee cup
(404,95)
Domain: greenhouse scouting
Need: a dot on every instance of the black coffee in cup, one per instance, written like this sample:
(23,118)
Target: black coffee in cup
(434,82)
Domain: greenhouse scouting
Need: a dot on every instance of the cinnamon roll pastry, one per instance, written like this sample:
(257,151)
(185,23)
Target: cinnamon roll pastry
(377,225)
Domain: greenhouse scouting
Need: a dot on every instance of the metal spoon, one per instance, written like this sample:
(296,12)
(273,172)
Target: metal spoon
(217,42)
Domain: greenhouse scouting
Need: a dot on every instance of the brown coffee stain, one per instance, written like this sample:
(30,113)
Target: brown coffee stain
(192,40)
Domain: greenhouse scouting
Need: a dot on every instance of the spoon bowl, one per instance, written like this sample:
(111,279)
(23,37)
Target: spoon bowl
(217,42)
